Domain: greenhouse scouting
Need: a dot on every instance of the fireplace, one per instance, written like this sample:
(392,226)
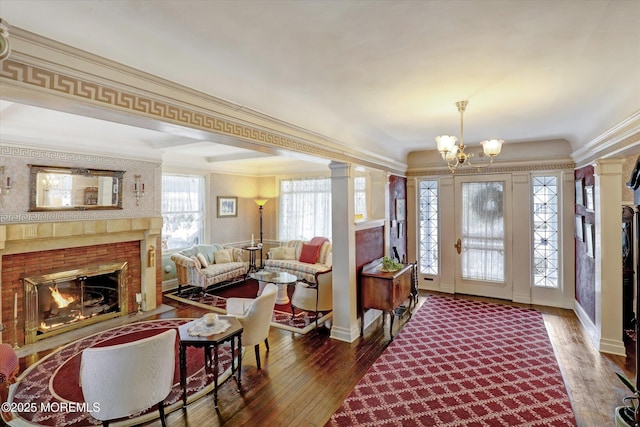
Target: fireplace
(60,301)
(38,249)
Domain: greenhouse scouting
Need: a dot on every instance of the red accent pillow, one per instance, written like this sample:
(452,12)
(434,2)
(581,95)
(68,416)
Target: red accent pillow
(309,253)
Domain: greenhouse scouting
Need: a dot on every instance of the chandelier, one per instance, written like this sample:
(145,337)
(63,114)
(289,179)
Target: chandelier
(454,154)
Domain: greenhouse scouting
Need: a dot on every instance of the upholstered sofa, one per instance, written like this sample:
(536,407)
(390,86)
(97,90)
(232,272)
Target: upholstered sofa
(297,257)
(207,265)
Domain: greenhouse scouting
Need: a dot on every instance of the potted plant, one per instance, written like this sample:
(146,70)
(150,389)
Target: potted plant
(629,413)
(390,265)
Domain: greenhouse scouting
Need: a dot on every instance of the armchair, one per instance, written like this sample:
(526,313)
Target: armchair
(128,378)
(315,297)
(255,316)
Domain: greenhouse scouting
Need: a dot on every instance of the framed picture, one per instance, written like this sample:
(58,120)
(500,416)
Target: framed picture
(588,198)
(589,239)
(400,207)
(579,192)
(579,220)
(227,206)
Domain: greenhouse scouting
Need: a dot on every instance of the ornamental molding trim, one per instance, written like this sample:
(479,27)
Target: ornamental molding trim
(495,169)
(615,141)
(568,177)
(66,216)
(71,157)
(18,156)
(19,238)
(608,167)
(105,95)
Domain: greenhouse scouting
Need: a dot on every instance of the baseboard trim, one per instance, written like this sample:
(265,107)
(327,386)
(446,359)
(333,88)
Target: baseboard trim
(612,347)
(603,345)
(343,334)
(587,324)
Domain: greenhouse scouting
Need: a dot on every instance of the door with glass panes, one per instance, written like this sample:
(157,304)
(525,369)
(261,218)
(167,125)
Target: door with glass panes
(482,236)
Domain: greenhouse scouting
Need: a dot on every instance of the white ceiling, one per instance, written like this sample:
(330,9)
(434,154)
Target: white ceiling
(378,75)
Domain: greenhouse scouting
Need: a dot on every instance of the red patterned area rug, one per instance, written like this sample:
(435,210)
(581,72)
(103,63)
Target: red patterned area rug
(49,391)
(463,363)
(216,300)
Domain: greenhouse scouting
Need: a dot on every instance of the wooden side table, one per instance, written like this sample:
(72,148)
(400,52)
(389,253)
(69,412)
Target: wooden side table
(234,332)
(384,291)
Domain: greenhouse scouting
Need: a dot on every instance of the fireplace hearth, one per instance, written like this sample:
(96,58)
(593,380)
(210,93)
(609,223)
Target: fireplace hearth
(60,301)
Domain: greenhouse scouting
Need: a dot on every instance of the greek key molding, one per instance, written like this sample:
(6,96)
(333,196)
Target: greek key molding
(493,169)
(113,162)
(137,104)
(64,216)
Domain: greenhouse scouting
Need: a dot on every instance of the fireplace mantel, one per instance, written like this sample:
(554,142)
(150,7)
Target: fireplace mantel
(40,236)
(16,239)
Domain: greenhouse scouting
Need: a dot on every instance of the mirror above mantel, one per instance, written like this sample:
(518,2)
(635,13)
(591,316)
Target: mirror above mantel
(53,188)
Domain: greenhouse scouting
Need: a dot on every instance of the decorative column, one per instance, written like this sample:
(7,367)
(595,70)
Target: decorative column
(345,308)
(608,256)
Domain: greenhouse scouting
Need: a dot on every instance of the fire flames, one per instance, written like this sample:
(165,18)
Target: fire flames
(60,300)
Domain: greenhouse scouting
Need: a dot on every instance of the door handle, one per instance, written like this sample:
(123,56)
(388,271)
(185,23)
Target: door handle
(458,246)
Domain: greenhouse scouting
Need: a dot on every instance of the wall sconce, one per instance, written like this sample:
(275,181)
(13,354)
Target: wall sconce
(5,184)
(138,188)
(151,258)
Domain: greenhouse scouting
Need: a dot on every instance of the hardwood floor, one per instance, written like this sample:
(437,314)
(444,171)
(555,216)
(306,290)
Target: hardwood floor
(304,378)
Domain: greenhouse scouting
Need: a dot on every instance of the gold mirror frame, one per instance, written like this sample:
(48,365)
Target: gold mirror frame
(90,195)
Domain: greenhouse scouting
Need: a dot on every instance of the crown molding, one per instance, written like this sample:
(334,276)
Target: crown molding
(621,138)
(42,68)
(512,167)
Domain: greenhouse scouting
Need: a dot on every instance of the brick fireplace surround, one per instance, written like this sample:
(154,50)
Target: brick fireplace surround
(39,248)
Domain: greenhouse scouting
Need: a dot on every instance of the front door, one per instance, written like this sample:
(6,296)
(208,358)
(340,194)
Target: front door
(483,236)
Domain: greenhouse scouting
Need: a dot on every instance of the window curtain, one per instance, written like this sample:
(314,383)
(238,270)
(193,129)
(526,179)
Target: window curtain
(305,209)
(483,231)
(182,210)
(360,196)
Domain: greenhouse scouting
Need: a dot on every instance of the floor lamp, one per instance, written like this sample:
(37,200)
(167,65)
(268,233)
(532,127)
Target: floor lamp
(261,203)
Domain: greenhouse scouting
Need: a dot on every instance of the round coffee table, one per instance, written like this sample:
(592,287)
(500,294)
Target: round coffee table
(280,279)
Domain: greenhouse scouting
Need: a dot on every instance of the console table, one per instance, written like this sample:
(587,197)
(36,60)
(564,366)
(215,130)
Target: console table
(384,291)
